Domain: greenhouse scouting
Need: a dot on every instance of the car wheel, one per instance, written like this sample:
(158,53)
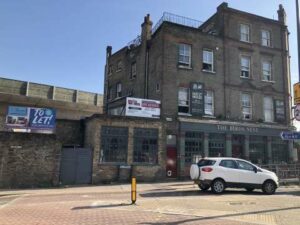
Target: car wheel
(203,187)
(269,187)
(249,189)
(218,186)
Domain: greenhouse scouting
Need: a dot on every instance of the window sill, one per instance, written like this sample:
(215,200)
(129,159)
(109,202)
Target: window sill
(117,71)
(210,117)
(112,164)
(247,78)
(209,71)
(185,67)
(247,42)
(109,74)
(269,81)
(184,114)
(144,164)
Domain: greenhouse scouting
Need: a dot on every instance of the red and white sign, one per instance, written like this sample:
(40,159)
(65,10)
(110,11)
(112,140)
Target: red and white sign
(142,108)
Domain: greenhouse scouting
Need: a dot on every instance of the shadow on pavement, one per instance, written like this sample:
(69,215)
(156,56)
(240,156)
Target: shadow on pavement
(206,193)
(101,206)
(219,217)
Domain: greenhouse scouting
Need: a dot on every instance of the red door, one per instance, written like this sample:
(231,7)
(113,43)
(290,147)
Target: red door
(171,165)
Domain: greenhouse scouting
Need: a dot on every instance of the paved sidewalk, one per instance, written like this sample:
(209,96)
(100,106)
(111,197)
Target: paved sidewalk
(159,203)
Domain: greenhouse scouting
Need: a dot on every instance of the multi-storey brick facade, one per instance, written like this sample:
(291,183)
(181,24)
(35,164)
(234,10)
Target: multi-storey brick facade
(224,85)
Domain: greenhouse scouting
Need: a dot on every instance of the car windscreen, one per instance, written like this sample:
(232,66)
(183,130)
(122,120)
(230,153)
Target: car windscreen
(206,162)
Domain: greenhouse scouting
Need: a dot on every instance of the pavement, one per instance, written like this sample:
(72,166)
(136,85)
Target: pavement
(157,204)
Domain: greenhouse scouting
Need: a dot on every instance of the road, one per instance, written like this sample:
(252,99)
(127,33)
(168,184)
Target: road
(158,203)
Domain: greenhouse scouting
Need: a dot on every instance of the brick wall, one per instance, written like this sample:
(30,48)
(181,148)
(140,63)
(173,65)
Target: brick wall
(28,160)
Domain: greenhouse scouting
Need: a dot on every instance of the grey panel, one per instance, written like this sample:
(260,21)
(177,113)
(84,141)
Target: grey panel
(76,166)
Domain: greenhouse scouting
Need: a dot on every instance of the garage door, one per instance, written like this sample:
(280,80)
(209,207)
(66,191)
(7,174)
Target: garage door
(76,166)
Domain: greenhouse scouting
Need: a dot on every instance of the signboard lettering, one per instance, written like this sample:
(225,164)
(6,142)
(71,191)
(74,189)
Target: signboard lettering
(233,128)
(142,108)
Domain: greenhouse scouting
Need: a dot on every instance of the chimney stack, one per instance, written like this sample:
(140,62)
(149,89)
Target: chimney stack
(281,14)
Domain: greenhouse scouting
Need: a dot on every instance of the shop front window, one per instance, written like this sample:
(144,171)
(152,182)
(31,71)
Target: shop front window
(279,151)
(145,146)
(193,146)
(114,143)
(216,145)
(258,149)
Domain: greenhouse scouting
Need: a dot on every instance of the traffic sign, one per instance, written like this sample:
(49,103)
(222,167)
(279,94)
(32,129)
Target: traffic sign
(287,135)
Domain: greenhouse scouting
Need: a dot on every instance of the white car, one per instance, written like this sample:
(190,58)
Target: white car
(220,173)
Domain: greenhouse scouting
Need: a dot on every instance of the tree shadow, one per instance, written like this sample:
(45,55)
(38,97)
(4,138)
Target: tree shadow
(102,206)
(217,217)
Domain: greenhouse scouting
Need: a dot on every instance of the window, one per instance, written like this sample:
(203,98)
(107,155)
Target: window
(183,100)
(193,146)
(145,146)
(208,60)
(184,55)
(110,70)
(133,71)
(245,32)
(265,38)
(119,65)
(157,87)
(279,153)
(119,90)
(246,106)
(209,103)
(245,67)
(206,162)
(244,165)
(110,93)
(279,111)
(258,149)
(228,164)
(266,70)
(268,109)
(114,143)
(216,145)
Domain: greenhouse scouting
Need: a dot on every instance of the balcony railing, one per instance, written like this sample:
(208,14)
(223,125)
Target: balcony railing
(181,20)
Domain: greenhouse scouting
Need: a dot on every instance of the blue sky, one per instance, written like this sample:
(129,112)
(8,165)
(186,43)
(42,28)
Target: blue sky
(63,43)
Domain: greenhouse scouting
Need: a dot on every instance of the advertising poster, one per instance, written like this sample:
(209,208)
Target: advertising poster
(30,120)
(142,108)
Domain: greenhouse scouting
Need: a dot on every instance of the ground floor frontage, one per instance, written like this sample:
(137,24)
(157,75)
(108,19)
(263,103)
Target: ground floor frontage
(260,144)
(157,203)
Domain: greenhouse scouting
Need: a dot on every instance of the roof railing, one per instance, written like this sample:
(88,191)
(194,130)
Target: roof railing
(181,20)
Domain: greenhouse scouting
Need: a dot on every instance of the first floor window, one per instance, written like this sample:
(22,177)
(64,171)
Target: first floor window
(267,70)
(209,103)
(183,100)
(268,109)
(208,60)
(246,106)
(114,143)
(245,66)
(133,70)
(145,146)
(279,111)
(119,90)
(119,65)
(184,58)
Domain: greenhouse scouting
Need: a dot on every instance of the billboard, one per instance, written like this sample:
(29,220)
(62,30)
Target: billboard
(30,120)
(142,108)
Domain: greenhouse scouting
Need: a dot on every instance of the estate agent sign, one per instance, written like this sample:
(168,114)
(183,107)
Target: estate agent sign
(142,108)
(30,120)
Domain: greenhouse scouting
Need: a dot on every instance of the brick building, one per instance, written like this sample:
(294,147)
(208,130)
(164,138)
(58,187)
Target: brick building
(224,85)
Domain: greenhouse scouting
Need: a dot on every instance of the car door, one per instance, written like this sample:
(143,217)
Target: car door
(228,171)
(247,174)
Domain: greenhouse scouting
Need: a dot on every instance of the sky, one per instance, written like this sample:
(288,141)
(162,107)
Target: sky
(63,42)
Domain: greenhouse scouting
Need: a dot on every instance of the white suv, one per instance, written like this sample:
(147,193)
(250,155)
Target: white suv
(219,173)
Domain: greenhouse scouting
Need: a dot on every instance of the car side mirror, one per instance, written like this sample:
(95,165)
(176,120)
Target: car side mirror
(255,170)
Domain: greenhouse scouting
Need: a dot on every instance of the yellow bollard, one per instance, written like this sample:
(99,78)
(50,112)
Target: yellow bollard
(133,190)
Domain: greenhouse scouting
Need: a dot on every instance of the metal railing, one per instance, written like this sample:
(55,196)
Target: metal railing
(284,171)
(134,43)
(181,20)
